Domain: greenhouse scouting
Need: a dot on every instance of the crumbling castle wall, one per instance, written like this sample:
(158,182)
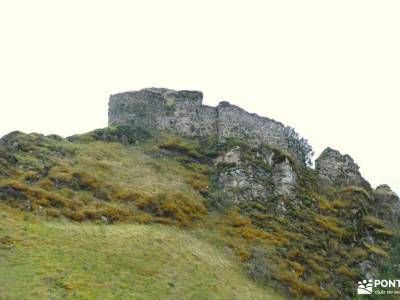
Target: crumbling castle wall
(236,122)
(183,113)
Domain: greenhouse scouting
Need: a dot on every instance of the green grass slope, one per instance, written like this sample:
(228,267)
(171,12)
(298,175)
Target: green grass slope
(62,260)
(120,213)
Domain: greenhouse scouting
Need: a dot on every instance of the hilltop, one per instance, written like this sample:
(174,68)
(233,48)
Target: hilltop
(175,200)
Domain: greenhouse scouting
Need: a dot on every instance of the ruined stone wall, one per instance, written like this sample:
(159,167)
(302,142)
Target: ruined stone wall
(183,113)
(236,122)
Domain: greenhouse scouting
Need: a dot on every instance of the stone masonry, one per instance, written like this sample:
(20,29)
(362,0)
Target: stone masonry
(182,112)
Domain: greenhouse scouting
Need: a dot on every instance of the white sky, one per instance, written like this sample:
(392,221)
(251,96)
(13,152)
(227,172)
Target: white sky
(331,69)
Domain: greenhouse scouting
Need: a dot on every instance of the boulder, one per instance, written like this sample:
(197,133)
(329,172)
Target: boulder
(337,169)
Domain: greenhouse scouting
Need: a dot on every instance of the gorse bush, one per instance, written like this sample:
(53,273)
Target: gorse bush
(27,197)
(174,206)
(107,214)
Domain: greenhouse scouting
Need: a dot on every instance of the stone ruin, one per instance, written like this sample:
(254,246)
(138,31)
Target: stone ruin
(183,113)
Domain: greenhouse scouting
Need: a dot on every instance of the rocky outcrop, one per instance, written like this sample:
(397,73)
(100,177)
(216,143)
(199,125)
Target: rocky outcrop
(384,189)
(337,169)
(240,180)
(183,113)
(387,204)
(259,178)
(284,179)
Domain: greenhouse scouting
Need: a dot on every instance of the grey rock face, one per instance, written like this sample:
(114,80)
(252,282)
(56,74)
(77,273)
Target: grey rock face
(284,179)
(240,181)
(387,204)
(230,157)
(182,112)
(368,269)
(244,182)
(335,168)
(386,190)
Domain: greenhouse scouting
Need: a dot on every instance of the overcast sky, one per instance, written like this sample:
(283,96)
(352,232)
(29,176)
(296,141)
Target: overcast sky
(331,69)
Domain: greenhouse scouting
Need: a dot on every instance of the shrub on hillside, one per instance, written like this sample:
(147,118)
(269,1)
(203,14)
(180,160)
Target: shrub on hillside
(106,214)
(29,197)
(175,206)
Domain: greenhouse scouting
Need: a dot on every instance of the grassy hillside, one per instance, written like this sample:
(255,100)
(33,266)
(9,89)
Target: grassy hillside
(62,260)
(120,213)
